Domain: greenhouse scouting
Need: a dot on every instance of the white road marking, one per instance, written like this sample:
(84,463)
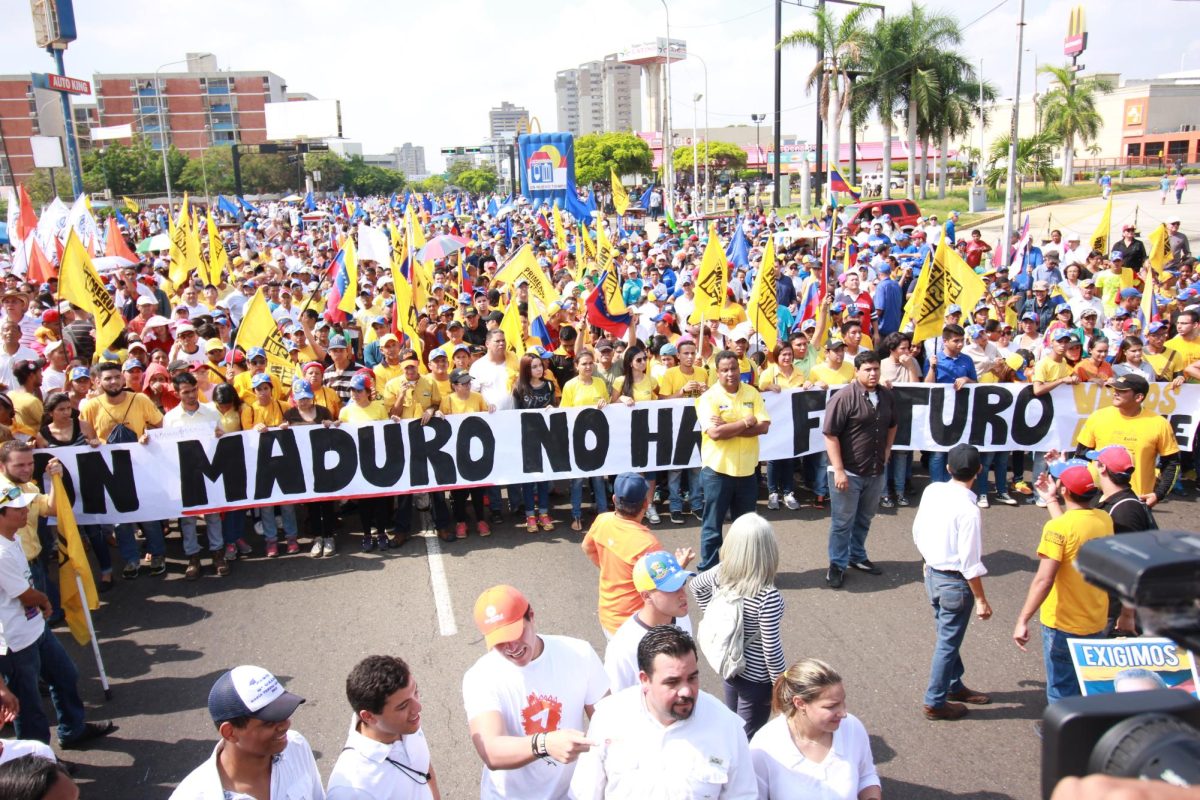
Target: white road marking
(441,590)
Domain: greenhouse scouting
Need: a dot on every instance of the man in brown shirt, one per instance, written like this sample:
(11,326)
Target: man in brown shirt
(860,426)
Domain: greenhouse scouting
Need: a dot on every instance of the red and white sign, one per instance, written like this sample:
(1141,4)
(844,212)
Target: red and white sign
(62,83)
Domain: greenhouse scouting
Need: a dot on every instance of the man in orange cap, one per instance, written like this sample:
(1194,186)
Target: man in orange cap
(526,699)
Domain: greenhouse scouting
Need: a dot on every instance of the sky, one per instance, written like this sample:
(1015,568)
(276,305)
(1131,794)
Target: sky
(427,72)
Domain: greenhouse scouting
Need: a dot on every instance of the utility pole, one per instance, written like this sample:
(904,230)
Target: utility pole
(778,101)
(1011,187)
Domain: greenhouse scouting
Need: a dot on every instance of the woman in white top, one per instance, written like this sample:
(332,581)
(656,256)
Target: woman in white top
(1069,285)
(813,748)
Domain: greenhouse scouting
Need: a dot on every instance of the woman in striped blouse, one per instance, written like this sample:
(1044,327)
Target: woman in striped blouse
(749,561)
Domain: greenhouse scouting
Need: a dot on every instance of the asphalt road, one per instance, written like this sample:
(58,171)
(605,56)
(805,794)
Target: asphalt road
(166,640)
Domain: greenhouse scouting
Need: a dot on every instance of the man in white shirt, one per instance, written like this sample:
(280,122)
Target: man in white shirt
(1087,300)
(660,580)
(490,373)
(12,351)
(525,700)
(981,351)
(188,414)
(14,304)
(664,737)
(259,755)
(948,532)
(386,756)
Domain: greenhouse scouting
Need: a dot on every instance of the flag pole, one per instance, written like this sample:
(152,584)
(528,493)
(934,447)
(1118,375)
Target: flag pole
(87,614)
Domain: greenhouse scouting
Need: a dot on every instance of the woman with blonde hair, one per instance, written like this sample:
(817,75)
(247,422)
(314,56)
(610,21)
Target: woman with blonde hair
(814,748)
(749,561)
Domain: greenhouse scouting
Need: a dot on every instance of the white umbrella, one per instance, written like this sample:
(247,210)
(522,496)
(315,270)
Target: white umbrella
(110,263)
(292,198)
(159,241)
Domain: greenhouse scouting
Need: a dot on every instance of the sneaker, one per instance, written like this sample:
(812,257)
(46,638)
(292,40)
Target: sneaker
(773,501)
(367,544)
(243,548)
(902,501)
(327,546)
(790,501)
(1022,487)
(317,548)
(293,547)
(460,530)
(576,524)
(1040,503)
(158,565)
(272,549)
(381,542)
(193,568)
(531,524)
(946,711)
(887,502)
(698,514)
(483,529)
(652,515)
(258,527)
(220,564)
(866,565)
(676,518)
(1004,498)
(835,576)
(91,731)
(982,502)
(545,521)
(230,553)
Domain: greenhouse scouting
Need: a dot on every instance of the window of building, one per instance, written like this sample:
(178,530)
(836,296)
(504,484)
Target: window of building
(1177,149)
(1154,149)
(1133,149)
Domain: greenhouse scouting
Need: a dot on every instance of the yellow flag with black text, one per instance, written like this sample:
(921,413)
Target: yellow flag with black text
(945,281)
(524,265)
(1159,248)
(620,195)
(712,279)
(1099,240)
(560,231)
(763,309)
(79,283)
(72,562)
(218,259)
(259,329)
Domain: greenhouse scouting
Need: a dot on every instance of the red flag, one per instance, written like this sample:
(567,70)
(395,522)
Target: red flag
(40,269)
(27,220)
(114,243)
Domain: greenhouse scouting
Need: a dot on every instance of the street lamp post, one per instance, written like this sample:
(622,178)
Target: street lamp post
(696,98)
(706,183)
(1011,185)
(162,128)
(758,119)
(668,167)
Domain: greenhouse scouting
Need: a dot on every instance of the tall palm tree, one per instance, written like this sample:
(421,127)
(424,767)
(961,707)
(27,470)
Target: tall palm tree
(878,90)
(843,41)
(1070,113)
(1035,159)
(926,38)
(957,107)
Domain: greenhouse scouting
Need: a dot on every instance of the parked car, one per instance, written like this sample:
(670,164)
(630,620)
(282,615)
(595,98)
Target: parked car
(903,214)
(872,183)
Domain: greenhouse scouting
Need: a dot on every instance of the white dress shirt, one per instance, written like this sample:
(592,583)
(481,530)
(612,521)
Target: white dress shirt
(371,770)
(294,776)
(948,529)
(620,657)
(784,773)
(702,757)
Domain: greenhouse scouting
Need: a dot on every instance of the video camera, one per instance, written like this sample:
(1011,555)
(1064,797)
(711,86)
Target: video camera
(1153,735)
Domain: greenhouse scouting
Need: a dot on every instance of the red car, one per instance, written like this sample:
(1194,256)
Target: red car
(903,214)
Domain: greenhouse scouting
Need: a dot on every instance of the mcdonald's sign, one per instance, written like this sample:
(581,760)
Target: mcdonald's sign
(1076,41)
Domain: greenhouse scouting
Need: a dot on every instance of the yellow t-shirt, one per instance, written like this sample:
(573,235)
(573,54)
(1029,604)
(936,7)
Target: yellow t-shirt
(241,385)
(771,376)
(231,421)
(1049,370)
(1146,436)
(371,412)
(643,390)
(1189,352)
(577,393)
(1074,605)
(270,415)
(736,456)
(823,373)
(733,315)
(135,411)
(472,404)
(329,399)
(385,373)
(424,395)
(27,412)
(673,381)
(1166,365)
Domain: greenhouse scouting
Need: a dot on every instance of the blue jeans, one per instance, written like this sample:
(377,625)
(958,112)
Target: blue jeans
(537,497)
(722,493)
(781,476)
(598,489)
(1060,672)
(818,463)
(191,541)
(937,467)
(233,526)
(675,483)
(997,463)
(952,601)
(47,659)
(851,513)
(127,546)
(897,470)
(271,529)
(95,537)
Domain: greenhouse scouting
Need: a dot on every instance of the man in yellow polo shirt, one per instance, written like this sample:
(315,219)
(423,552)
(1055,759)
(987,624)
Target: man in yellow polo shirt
(1187,341)
(732,416)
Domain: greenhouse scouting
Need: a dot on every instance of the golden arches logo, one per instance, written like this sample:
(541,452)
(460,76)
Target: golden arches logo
(1078,22)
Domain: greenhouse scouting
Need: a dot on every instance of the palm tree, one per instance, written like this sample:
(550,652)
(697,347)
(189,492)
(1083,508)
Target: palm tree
(957,107)
(1070,112)
(843,42)
(926,38)
(879,89)
(1035,159)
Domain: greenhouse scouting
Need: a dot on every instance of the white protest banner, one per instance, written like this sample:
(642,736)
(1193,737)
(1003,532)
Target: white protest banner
(168,477)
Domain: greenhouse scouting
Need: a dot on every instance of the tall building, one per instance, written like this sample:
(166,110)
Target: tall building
(506,119)
(599,96)
(200,108)
(411,159)
(24,112)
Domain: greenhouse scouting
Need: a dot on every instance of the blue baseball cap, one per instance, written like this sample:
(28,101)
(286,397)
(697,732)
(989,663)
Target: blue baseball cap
(630,487)
(360,383)
(1155,327)
(1067,335)
(261,379)
(80,373)
(954,309)
(974,332)
(302,390)
(249,691)
(255,352)
(659,571)
(668,349)
(336,341)
(132,363)
(1129,292)
(1075,475)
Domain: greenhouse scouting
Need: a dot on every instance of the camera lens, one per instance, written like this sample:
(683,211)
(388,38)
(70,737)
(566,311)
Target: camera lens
(1150,746)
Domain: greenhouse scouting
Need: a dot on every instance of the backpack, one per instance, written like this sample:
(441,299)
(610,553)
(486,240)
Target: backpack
(121,433)
(721,635)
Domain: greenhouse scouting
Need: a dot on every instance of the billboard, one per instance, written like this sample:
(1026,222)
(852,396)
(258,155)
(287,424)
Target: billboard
(306,119)
(548,169)
(47,151)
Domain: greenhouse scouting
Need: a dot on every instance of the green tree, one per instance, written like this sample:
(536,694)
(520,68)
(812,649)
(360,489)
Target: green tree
(477,181)
(39,188)
(262,174)
(597,155)
(878,90)
(1069,113)
(1035,161)
(434,183)
(331,166)
(364,179)
(457,168)
(213,169)
(718,156)
(844,41)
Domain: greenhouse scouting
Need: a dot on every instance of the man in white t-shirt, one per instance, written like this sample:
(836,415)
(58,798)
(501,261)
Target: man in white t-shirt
(660,580)
(386,756)
(526,699)
(982,352)
(664,737)
(490,373)
(12,351)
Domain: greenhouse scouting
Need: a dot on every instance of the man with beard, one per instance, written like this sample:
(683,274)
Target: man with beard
(664,737)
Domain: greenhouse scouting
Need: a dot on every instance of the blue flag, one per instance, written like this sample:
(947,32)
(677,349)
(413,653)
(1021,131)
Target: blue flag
(427,203)
(124,223)
(508,231)
(492,207)
(738,250)
(644,200)
(226,206)
(246,205)
(309,203)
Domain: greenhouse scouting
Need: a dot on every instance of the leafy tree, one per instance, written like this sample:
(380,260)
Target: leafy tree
(262,174)
(456,168)
(214,168)
(331,166)
(363,179)
(718,155)
(879,89)
(1070,113)
(130,169)
(477,181)
(1035,160)
(597,155)
(39,189)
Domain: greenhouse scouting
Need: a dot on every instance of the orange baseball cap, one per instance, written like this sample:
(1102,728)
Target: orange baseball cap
(500,614)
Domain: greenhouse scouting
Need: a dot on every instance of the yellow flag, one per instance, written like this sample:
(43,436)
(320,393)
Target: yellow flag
(764,308)
(560,231)
(610,288)
(1160,248)
(712,279)
(132,206)
(406,312)
(218,259)
(945,281)
(525,265)
(620,196)
(178,230)
(195,259)
(79,283)
(73,561)
(259,329)
(1099,240)
(511,325)
(604,247)
(351,258)
(589,247)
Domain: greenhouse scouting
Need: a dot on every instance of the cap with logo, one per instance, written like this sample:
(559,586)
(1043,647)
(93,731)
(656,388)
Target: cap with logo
(261,379)
(256,352)
(1115,458)
(660,571)
(1130,381)
(249,691)
(337,341)
(1075,475)
(500,614)
(302,390)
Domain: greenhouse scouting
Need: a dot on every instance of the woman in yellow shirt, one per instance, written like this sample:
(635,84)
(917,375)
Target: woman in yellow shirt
(636,385)
(585,389)
(464,401)
(265,411)
(373,512)
(782,374)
